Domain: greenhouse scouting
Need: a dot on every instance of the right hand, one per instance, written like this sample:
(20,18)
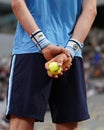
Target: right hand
(51,51)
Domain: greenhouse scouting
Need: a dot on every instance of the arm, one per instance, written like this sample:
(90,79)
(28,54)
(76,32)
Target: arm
(23,15)
(27,21)
(83,26)
(85,20)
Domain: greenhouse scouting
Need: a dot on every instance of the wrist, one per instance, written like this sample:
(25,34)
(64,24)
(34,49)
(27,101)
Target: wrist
(73,46)
(77,42)
(39,39)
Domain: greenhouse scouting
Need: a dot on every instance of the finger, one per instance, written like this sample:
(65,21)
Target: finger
(57,76)
(65,51)
(60,62)
(60,74)
(54,76)
(67,68)
(47,65)
(50,75)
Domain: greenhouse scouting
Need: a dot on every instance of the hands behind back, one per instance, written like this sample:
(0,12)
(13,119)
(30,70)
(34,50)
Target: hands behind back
(58,54)
(63,61)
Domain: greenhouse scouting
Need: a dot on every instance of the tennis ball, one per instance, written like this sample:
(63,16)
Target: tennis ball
(54,68)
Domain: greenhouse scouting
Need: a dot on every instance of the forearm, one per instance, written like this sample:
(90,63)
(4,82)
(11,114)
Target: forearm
(27,21)
(23,15)
(85,21)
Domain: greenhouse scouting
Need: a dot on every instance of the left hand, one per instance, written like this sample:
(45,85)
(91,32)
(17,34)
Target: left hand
(51,51)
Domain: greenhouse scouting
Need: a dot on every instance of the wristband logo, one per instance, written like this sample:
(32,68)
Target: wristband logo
(41,35)
(75,47)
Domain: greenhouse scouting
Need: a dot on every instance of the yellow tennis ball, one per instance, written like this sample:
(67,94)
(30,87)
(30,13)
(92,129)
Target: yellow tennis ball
(54,68)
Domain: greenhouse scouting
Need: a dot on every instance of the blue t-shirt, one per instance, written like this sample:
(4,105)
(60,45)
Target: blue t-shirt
(56,19)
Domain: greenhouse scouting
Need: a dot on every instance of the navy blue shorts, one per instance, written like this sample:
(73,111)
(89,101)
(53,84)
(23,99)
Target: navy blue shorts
(31,89)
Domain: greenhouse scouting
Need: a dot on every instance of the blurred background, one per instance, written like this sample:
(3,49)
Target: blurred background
(93,55)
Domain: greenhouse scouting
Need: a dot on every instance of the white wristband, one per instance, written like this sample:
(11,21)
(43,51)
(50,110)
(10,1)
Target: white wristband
(73,47)
(77,42)
(39,39)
